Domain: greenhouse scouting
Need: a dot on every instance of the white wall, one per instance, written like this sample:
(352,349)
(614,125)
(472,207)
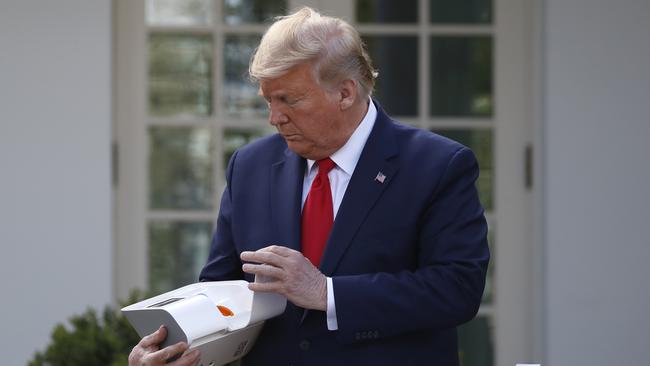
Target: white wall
(55,195)
(597,182)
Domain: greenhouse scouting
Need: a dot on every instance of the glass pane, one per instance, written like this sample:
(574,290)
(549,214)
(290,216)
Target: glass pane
(387,11)
(396,58)
(177,252)
(180,75)
(465,12)
(480,141)
(180,168)
(461,76)
(179,12)
(475,342)
(233,139)
(252,11)
(240,94)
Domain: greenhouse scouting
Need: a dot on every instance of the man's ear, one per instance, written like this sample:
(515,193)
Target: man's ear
(348,93)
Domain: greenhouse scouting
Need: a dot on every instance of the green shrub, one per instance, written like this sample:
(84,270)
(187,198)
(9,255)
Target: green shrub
(91,341)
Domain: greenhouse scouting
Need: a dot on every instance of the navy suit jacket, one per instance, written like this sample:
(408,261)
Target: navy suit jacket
(407,256)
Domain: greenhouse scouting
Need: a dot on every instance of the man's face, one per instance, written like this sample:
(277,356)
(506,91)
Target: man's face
(308,116)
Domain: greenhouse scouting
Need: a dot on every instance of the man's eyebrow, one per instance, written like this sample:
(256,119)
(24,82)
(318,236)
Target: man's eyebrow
(278,94)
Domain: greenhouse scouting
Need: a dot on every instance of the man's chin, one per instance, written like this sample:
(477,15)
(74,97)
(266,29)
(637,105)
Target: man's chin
(300,148)
(296,147)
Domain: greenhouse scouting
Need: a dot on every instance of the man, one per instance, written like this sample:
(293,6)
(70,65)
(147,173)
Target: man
(371,229)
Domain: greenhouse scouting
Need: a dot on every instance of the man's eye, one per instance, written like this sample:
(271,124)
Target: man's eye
(290,101)
(283,100)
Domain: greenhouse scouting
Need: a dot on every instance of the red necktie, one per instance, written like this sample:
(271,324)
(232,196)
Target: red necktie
(318,214)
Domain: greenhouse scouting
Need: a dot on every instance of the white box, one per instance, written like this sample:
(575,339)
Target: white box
(190,314)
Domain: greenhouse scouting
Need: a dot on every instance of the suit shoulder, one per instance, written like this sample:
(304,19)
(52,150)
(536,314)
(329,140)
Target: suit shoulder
(419,142)
(269,148)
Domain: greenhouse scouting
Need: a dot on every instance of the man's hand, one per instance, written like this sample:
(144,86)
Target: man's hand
(292,275)
(148,352)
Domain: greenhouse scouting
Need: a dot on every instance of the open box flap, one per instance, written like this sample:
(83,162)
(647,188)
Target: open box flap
(193,309)
(266,305)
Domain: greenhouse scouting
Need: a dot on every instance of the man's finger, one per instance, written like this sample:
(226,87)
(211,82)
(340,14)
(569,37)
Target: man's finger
(263,257)
(189,358)
(154,338)
(279,250)
(170,351)
(265,287)
(264,270)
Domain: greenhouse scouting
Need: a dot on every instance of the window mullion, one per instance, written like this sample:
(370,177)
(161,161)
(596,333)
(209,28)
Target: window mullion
(218,101)
(423,69)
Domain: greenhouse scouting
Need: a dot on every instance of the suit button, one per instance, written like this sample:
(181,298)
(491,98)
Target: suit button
(304,345)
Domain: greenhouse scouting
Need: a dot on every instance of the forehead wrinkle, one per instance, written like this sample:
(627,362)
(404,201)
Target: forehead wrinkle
(295,89)
(300,80)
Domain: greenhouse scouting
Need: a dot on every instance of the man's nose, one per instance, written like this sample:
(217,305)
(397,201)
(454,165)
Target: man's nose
(276,117)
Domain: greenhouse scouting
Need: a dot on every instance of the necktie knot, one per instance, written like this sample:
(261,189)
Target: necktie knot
(325,165)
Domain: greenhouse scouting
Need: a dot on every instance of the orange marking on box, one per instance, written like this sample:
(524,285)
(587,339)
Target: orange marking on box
(225,311)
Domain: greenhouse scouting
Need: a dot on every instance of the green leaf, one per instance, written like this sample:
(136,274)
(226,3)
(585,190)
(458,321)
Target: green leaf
(88,340)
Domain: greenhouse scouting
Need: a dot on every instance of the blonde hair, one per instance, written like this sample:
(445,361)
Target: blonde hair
(333,45)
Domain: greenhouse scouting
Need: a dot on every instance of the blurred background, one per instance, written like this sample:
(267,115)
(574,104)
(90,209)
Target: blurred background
(118,119)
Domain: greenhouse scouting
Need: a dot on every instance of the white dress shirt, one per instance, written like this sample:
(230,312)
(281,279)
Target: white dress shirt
(346,159)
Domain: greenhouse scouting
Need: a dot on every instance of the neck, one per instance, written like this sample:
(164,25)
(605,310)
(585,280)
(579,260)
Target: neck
(356,113)
(353,117)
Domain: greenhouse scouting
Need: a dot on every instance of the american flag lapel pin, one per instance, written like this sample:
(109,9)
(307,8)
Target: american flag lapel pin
(380,177)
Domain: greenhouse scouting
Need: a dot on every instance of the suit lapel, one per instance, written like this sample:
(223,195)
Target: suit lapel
(286,194)
(365,187)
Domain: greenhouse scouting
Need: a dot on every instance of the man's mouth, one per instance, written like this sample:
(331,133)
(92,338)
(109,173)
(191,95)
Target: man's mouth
(292,136)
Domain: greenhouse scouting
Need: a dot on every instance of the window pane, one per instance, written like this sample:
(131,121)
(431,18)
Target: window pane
(177,252)
(480,141)
(180,75)
(387,11)
(475,342)
(180,168)
(233,139)
(252,11)
(179,12)
(396,58)
(461,76)
(465,12)
(240,94)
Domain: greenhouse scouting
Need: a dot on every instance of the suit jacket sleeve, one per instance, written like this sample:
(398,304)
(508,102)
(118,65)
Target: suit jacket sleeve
(445,289)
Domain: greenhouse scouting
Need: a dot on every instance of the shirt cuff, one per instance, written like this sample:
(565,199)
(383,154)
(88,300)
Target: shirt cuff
(332,323)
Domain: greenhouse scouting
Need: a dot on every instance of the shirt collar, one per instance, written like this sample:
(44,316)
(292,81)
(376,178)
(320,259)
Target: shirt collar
(347,156)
